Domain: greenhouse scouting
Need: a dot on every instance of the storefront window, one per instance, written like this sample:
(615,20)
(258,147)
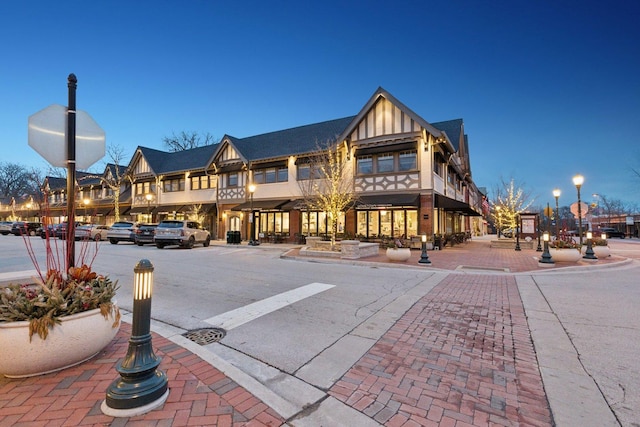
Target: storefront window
(373,223)
(274,222)
(362,223)
(398,223)
(412,223)
(385,223)
(322,222)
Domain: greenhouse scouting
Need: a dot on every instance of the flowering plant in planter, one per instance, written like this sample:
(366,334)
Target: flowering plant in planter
(55,295)
(597,242)
(61,291)
(563,244)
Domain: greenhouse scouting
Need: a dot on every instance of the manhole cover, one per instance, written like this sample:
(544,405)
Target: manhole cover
(206,335)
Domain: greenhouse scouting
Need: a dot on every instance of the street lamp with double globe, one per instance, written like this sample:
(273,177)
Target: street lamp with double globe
(578,180)
(556,194)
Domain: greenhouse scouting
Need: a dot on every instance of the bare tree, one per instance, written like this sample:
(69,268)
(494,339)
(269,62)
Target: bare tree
(116,176)
(611,207)
(329,187)
(17,181)
(187,140)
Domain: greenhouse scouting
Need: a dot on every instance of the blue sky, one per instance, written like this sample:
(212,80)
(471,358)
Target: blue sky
(546,89)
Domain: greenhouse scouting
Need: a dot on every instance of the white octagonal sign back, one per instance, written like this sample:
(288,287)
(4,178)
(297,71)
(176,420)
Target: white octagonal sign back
(47,136)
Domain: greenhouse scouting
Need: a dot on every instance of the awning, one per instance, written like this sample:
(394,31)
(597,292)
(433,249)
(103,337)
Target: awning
(235,167)
(142,209)
(452,205)
(261,205)
(298,204)
(387,201)
(164,209)
(405,146)
(273,164)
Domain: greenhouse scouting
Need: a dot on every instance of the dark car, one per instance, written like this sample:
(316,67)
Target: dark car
(49,230)
(145,233)
(612,232)
(28,228)
(61,229)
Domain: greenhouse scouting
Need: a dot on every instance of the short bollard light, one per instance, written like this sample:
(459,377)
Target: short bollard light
(603,236)
(424,258)
(590,254)
(546,256)
(141,386)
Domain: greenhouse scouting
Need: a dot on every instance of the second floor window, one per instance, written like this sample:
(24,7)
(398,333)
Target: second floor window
(202,182)
(270,175)
(232,180)
(401,161)
(173,185)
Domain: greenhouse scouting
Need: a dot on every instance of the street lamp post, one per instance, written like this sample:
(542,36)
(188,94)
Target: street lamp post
(589,254)
(252,241)
(424,258)
(578,180)
(85,202)
(556,194)
(141,386)
(546,256)
(518,219)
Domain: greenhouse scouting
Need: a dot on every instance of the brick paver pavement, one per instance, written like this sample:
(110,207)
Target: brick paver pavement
(199,394)
(461,356)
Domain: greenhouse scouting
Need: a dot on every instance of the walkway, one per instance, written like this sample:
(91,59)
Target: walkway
(461,356)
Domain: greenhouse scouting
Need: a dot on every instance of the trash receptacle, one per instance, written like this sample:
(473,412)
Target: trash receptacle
(229,237)
(236,237)
(437,242)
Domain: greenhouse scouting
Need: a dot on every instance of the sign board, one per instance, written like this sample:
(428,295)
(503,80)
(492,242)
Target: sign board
(584,208)
(528,223)
(47,136)
(629,220)
(548,212)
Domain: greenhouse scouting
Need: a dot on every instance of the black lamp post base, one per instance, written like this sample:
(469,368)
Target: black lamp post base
(134,392)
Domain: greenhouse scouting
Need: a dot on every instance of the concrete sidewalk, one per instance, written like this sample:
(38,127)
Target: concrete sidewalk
(463,355)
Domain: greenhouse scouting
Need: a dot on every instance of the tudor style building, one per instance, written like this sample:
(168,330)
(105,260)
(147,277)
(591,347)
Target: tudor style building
(411,177)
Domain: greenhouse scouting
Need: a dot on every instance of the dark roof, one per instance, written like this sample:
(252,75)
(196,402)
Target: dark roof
(452,128)
(162,162)
(298,140)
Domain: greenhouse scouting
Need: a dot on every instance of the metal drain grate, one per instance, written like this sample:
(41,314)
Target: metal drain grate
(206,335)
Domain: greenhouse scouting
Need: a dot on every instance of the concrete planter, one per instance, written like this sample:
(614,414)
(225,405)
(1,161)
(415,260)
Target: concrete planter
(77,338)
(599,251)
(565,255)
(398,254)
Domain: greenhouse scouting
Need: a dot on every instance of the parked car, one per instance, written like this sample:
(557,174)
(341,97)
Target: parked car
(91,232)
(61,229)
(51,229)
(122,231)
(612,232)
(182,233)
(145,233)
(5,227)
(21,227)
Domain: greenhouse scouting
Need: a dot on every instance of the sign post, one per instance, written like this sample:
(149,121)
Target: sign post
(53,133)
